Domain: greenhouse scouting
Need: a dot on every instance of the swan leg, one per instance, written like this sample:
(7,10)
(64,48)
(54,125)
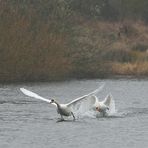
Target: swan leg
(61,119)
(73,116)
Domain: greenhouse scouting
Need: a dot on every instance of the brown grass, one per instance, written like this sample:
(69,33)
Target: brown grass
(35,49)
(135,69)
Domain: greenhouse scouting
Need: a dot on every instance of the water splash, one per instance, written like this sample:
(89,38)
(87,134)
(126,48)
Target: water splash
(95,114)
(112,109)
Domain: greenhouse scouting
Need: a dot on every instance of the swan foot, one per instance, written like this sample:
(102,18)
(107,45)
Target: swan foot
(61,120)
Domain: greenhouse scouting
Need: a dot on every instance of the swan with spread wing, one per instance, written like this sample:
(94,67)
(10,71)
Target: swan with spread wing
(107,106)
(81,104)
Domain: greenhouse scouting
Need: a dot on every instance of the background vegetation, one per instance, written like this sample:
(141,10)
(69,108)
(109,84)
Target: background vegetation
(42,40)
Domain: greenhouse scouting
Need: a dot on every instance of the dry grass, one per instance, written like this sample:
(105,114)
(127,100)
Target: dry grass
(135,69)
(34,49)
(127,52)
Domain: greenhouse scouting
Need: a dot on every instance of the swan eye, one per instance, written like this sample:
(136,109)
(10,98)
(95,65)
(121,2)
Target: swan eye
(52,100)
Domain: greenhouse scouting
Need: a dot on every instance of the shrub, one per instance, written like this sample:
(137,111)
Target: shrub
(119,55)
(140,47)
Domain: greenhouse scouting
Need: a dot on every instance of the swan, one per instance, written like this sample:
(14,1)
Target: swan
(81,104)
(106,106)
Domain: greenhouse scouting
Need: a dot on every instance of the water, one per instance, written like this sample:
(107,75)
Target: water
(30,123)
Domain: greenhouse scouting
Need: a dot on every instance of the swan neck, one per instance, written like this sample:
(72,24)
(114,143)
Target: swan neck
(58,105)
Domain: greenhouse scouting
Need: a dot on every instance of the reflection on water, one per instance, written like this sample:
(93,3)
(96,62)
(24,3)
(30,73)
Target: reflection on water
(26,122)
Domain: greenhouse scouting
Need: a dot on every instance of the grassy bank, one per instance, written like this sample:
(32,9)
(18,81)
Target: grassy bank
(113,48)
(41,45)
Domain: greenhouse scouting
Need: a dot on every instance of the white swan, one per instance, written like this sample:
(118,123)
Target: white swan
(106,106)
(81,104)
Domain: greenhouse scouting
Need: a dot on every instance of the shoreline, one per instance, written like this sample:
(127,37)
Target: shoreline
(113,77)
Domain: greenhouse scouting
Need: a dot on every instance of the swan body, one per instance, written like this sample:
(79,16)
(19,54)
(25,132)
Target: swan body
(104,106)
(81,104)
(63,110)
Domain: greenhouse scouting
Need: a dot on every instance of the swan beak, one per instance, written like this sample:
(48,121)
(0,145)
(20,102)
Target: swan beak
(51,101)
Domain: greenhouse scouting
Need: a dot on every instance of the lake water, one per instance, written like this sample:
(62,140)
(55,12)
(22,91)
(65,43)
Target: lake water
(29,123)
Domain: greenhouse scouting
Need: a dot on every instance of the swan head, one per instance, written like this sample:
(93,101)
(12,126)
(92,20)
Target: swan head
(97,106)
(97,109)
(52,101)
(100,108)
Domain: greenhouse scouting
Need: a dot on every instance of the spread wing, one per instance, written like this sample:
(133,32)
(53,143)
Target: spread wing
(34,95)
(84,103)
(86,96)
(110,102)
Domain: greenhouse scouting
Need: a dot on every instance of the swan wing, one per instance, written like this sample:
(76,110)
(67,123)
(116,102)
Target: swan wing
(107,100)
(84,103)
(110,102)
(34,95)
(86,96)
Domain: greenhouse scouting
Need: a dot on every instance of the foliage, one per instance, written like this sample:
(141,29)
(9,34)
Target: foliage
(54,40)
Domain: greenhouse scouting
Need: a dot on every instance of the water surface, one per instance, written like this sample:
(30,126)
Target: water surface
(30,123)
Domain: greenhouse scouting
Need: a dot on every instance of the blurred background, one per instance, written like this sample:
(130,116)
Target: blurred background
(44,40)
